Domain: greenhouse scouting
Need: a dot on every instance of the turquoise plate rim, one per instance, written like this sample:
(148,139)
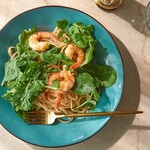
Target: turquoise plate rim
(108,119)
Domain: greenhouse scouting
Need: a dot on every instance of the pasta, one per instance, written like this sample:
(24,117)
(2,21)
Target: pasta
(54,71)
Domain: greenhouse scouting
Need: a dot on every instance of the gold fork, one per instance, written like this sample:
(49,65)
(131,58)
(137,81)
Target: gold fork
(44,117)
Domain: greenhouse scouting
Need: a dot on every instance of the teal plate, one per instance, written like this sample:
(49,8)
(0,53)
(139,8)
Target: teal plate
(106,52)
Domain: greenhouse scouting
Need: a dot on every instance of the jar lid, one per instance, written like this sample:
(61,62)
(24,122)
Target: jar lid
(109,6)
(147,15)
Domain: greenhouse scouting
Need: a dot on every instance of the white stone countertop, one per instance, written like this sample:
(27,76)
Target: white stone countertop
(128,27)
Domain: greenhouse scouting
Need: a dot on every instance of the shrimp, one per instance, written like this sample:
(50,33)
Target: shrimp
(73,51)
(40,41)
(58,99)
(67,79)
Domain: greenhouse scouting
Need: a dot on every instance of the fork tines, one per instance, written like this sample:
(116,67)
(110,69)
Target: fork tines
(35,117)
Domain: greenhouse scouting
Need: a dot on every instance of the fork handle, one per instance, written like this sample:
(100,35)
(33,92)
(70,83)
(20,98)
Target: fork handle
(116,113)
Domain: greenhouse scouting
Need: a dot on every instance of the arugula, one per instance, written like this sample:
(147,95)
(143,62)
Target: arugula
(50,56)
(90,79)
(28,77)
(28,84)
(106,75)
(24,75)
(24,36)
(23,45)
(53,56)
(62,24)
(55,85)
(81,35)
(85,84)
(90,102)
(11,70)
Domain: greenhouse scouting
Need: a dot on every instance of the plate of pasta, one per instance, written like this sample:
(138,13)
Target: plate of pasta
(58,63)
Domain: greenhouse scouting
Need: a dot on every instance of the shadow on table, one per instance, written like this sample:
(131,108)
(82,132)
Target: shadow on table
(117,126)
(134,13)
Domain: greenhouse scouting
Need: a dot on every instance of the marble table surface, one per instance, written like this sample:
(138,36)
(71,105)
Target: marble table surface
(128,27)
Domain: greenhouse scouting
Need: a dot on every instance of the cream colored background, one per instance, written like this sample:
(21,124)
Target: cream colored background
(127,25)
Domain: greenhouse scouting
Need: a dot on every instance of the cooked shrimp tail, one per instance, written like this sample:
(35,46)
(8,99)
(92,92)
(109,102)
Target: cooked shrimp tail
(67,79)
(74,52)
(40,41)
(58,99)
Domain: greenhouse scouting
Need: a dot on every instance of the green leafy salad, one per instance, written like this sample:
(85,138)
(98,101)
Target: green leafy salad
(27,72)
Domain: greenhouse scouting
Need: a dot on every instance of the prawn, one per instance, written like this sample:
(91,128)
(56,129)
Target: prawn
(67,79)
(40,41)
(59,97)
(74,52)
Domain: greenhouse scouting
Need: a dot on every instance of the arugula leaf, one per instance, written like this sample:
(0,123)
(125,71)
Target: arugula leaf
(50,56)
(51,70)
(80,27)
(81,36)
(29,85)
(89,53)
(25,58)
(79,40)
(84,84)
(27,93)
(10,84)
(90,102)
(23,44)
(55,84)
(11,70)
(33,71)
(53,55)
(106,74)
(24,36)
(33,89)
(24,75)
(62,24)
